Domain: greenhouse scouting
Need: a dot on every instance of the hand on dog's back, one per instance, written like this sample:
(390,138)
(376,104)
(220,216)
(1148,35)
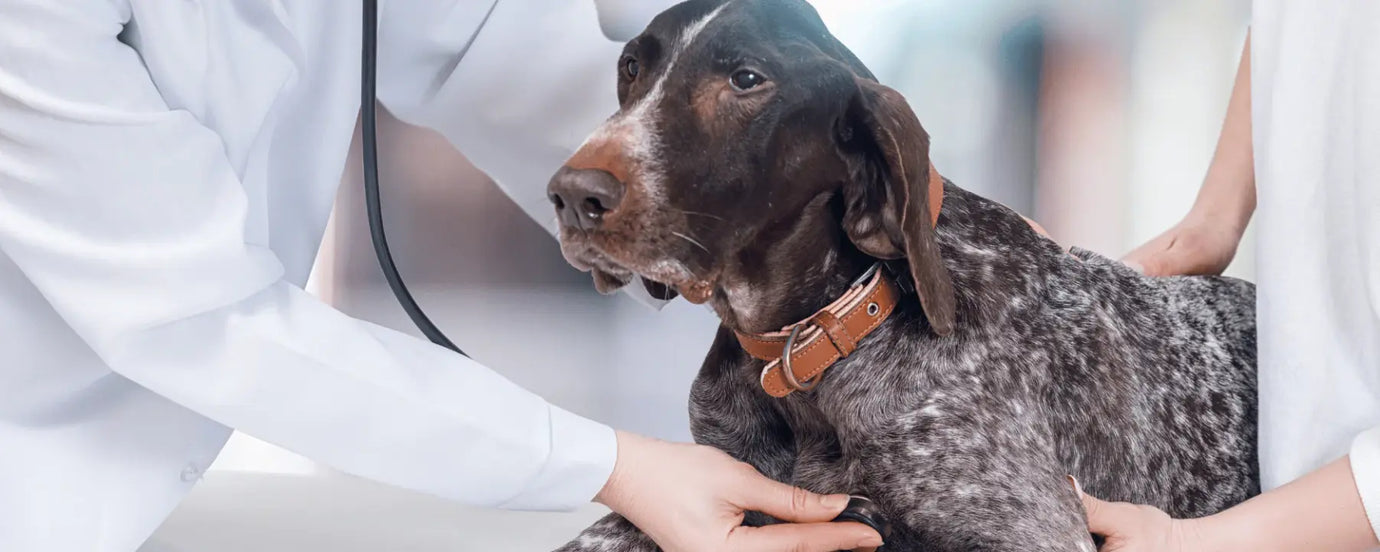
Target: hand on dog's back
(1195,246)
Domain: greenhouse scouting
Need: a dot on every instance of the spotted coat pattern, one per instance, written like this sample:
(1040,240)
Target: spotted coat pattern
(1060,363)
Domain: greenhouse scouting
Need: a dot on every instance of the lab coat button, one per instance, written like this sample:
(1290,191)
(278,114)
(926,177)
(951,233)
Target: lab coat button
(191,473)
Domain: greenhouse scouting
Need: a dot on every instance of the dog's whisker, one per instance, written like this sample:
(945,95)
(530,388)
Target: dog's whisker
(691,240)
(699,214)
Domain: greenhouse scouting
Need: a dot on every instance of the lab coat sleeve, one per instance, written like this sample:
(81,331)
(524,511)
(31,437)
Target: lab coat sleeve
(1365,468)
(516,88)
(129,219)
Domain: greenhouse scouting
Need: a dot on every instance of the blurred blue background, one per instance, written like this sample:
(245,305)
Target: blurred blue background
(1095,118)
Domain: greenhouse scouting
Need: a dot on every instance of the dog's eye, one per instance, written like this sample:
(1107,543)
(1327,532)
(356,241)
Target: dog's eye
(631,68)
(744,80)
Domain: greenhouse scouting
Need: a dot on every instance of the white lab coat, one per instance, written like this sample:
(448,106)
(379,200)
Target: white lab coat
(166,172)
(1316,122)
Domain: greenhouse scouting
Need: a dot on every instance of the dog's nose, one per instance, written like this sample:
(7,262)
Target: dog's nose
(584,197)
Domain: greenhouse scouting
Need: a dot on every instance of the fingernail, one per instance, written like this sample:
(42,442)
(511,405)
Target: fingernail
(1076,487)
(836,502)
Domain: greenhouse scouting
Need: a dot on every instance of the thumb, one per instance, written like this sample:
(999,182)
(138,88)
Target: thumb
(789,503)
(1169,254)
(1036,227)
(1151,263)
(1162,264)
(1109,518)
(1136,258)
(804,537)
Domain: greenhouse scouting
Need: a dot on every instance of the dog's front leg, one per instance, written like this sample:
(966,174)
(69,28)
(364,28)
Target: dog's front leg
(730,412)
(613,533)
(951,486)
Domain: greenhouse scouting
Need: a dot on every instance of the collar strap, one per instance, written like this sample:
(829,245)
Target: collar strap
(819,341)
(936,195)
(833,332)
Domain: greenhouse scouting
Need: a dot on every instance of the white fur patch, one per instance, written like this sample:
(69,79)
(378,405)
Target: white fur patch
(635,129)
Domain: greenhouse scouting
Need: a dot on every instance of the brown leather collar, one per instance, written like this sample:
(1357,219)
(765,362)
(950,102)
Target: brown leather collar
(831,334)
(936,199)
(834,332)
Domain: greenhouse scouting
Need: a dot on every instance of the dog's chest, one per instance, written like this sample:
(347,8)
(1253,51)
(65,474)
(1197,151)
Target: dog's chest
(824,457)
(850,417)
(890,397)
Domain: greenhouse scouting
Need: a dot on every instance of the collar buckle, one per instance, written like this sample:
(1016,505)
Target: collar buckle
(798,354)
(787,372)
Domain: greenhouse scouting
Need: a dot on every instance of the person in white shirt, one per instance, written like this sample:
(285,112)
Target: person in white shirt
(1302,135)
(166,172)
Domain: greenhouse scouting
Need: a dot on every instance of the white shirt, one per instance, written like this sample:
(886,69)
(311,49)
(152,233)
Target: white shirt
(166,172)
(1316,122)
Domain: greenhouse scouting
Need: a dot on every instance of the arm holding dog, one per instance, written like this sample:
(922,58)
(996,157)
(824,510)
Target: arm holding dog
(1321,511)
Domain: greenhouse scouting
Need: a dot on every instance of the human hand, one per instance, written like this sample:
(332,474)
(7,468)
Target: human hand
(1321,511)
(1200,244)
(1136,528)
(692,498)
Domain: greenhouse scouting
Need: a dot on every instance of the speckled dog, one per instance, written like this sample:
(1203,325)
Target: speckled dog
(756,165)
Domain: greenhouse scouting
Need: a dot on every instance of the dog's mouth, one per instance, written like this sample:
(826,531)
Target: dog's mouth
(663,278)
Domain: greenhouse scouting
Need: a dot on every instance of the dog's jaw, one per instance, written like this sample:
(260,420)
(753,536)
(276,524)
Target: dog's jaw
(698,292)
(769,288)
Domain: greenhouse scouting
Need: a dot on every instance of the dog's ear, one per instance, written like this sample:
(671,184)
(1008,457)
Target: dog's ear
(887,201)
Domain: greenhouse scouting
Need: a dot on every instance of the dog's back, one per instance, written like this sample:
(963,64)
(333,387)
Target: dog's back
(1181,359)
(1151,381)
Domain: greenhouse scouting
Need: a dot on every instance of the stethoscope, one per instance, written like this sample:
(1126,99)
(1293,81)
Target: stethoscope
(368,105)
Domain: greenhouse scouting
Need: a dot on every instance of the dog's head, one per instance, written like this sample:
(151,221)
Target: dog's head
(745,130)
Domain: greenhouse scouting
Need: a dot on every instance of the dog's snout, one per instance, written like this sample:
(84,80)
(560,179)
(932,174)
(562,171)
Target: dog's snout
(584,197)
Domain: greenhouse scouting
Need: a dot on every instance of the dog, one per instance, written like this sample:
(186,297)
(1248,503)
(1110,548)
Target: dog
(756,165)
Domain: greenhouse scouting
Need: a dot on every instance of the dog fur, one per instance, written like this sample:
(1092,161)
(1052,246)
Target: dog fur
(1048,363)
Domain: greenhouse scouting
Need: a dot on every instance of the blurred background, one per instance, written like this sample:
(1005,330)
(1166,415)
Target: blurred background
(1097,118)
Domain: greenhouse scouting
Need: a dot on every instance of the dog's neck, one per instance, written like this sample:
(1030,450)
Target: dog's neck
(811,264)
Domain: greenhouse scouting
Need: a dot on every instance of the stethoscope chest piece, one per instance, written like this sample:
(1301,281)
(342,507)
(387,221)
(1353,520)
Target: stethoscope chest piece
(866,512)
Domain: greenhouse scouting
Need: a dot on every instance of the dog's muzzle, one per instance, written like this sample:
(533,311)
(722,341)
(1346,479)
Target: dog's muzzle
(584,198)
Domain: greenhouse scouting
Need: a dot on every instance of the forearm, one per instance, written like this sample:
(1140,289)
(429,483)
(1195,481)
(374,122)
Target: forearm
(370,401)
(1228,190)
(1320,511)
(131,220)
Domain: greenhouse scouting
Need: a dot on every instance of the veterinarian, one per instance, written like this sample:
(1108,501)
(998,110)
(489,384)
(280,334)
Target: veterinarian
(166,172)
(1302,134)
